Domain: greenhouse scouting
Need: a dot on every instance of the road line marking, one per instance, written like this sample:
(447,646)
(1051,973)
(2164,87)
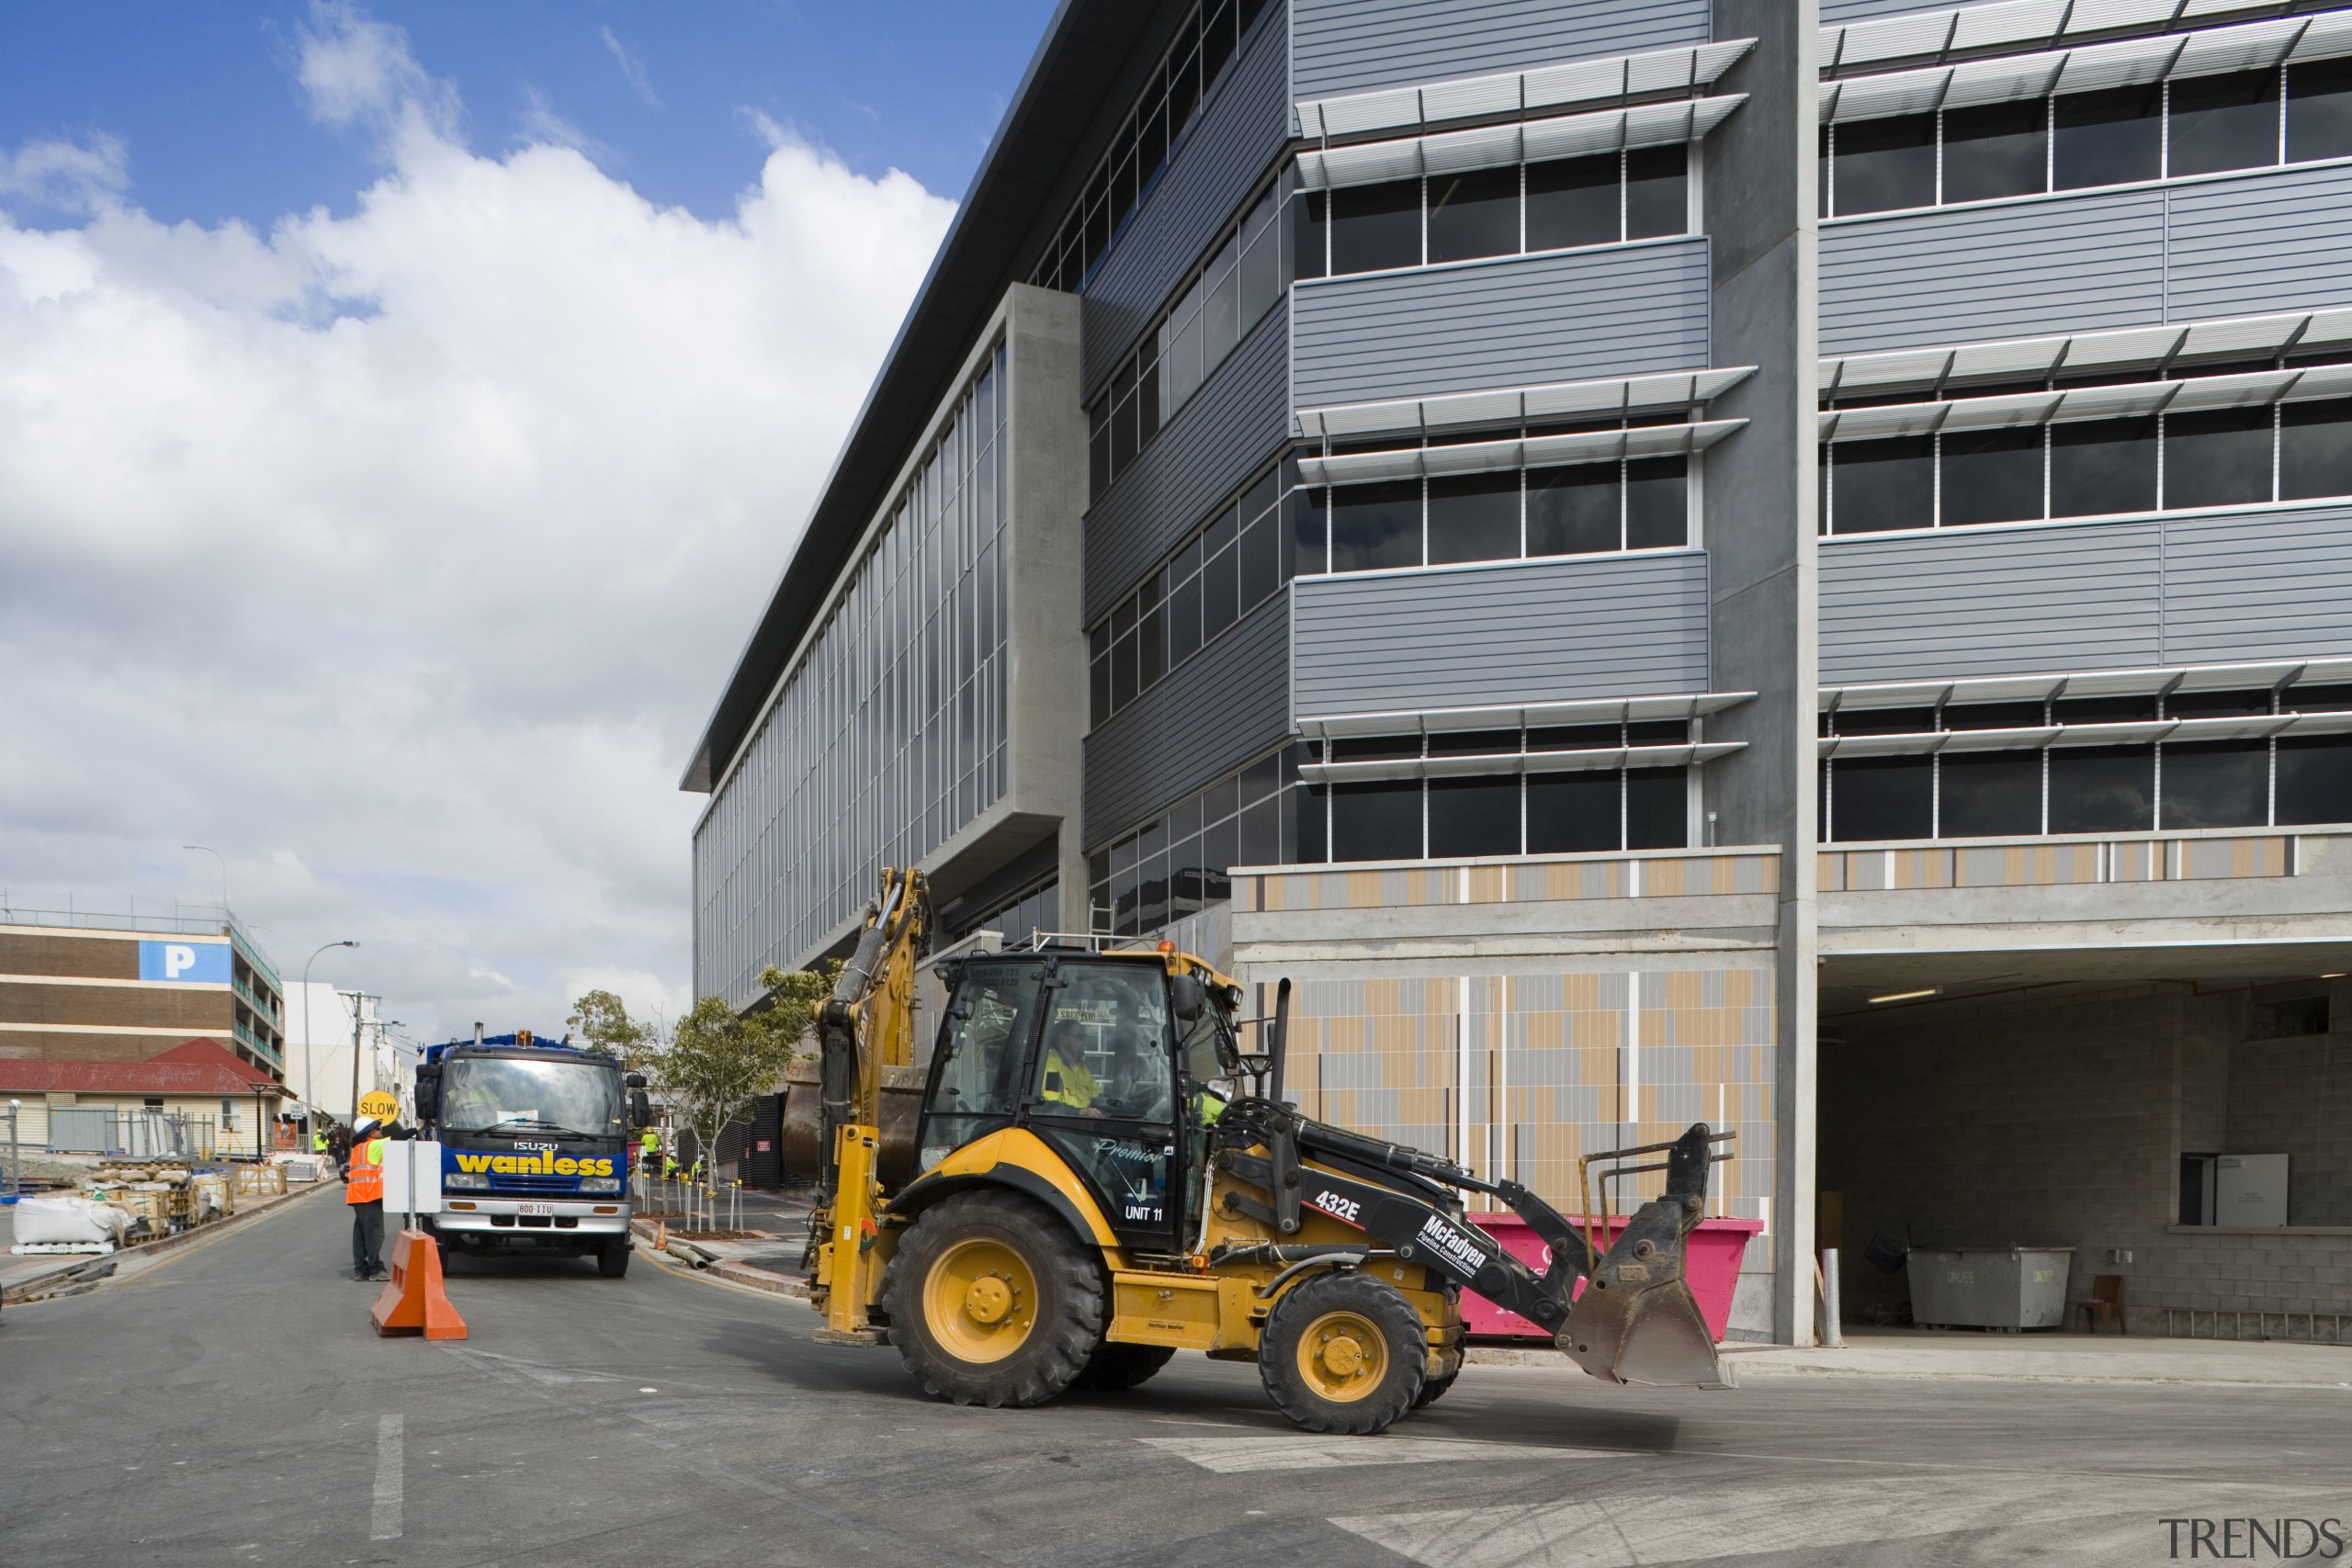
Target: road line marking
(1227,1455)
(385,1523)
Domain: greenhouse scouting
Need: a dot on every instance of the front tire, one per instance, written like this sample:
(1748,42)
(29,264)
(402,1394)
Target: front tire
(612,1262)
(1113,1369)
(993,1301)
(1343,1353)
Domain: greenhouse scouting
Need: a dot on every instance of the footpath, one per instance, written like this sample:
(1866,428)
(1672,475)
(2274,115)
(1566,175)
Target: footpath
(764,1254)
(43,1276)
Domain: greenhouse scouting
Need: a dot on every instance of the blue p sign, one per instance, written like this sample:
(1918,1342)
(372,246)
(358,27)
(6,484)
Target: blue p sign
(185,962)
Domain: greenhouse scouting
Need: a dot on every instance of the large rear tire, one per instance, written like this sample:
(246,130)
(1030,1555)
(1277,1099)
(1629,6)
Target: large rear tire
(993,1301)
(1343,1353)
(1115,1368)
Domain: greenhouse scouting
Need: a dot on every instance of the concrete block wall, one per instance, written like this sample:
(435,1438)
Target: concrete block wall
(2060,1120)
(2294,1097)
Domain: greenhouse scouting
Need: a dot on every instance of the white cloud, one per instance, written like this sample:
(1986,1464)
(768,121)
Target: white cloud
(401,555)
(632,70)
(64,176)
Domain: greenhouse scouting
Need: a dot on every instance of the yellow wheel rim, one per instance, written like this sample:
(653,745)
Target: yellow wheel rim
(981,1299)
(1343,1356)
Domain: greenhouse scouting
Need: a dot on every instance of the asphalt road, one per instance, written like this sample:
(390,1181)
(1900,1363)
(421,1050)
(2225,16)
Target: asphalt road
(232,1405)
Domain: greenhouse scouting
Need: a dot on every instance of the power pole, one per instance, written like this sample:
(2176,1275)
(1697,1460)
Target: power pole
(359,1000)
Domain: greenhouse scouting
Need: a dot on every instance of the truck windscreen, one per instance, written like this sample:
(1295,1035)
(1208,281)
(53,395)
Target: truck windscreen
(502,1094)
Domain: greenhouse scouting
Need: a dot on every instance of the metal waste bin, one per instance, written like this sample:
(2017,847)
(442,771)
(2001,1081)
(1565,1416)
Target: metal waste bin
(1990,1287)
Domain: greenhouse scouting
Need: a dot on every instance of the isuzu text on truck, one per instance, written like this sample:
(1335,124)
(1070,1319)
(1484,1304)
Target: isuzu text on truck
(534,1147)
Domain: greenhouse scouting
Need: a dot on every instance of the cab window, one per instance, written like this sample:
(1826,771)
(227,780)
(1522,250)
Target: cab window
(1106,1046)
(983,1046)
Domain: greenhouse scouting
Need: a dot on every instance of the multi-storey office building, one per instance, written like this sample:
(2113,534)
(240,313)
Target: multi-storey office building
(1768,561)
(82,987)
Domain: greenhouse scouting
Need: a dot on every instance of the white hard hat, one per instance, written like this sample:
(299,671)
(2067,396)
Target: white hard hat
(364,1124)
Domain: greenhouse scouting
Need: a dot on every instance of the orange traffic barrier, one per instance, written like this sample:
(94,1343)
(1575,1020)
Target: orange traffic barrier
(414,1302)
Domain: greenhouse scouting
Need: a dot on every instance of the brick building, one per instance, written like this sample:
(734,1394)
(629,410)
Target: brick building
(95,987)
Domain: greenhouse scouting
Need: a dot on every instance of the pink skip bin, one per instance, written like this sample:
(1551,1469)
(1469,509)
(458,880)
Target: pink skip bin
(1713,1264)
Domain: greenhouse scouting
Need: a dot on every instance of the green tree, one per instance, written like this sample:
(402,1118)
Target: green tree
(718,1061)
(601,1019)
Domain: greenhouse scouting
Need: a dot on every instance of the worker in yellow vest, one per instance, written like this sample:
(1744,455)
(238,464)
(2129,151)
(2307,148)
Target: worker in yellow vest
(364,1190)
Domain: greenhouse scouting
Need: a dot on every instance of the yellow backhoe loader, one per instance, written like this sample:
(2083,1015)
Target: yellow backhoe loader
(1092,1190)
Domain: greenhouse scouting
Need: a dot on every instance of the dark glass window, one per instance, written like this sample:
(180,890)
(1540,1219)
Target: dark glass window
(1307,235)
(1377,525)
(2214,705)
(1882,165)
(1377,821)
(1313,527)
(1657,808)
(1574,813)
(1472,743)
(1992,476)
(1994,716)
(2108,465)
(1656,191)
(1576,737)
(2313,698)
(1657,514)
(1882,797)
(2222,785)
(2223,123)
(1373,227)
(1573,201)
(1473,214)
(2105,139)
(1883,721)
(1876,485)
(1313,812)
(1473,816)
(2219,458)
(2315,779)
(1658,732)
(2314,450)
(1373,748)
(1474,517)
(2104,710)
(1990,795)
(1995,151)
(2319,110)
(2102,789)
(1573,511)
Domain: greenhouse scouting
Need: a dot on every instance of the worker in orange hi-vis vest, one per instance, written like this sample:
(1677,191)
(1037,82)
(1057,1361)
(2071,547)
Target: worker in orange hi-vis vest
(364,1190)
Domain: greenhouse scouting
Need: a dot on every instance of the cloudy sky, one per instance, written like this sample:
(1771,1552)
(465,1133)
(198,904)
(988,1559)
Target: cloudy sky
(402,414)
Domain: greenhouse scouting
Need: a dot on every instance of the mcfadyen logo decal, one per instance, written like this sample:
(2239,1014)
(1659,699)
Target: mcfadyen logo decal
(1453,1246)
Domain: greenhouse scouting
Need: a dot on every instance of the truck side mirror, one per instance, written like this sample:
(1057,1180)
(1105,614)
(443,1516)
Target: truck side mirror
(1189,997)
(641,1110)
(635,1080)
(428,1094)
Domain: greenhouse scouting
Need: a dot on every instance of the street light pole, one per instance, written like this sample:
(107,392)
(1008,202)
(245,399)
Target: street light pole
(216,854)
(310,1086)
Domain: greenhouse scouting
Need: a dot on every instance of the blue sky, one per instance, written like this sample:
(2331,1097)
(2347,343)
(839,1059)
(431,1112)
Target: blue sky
(203,96)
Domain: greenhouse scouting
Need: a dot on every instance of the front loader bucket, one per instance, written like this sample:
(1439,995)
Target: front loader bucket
(1636,1321)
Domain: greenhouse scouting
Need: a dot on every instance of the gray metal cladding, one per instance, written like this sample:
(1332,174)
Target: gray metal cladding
(2272,586)
(1526,632)
(1236,421)
(1235,141)
(1835,12)
(2270,241)
(1221,707)
(1976,274)
(1988,602)
(1519,322)
(2212,589)
(1353,46)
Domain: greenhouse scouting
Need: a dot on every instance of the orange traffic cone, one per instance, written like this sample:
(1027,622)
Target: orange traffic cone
(414,1302)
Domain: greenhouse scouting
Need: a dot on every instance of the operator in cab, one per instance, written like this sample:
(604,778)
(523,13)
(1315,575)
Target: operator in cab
(1065,1083)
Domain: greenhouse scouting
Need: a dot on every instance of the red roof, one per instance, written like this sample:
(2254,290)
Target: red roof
(197,1067)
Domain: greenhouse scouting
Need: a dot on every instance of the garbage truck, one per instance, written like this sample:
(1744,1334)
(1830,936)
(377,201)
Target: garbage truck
(534,1140)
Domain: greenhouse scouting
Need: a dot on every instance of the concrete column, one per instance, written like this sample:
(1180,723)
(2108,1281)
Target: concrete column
(1760,518)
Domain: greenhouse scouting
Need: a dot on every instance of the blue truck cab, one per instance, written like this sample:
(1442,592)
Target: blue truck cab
(534,1147)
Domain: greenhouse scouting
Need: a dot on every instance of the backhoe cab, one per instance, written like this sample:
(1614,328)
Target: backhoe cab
(1096,1190)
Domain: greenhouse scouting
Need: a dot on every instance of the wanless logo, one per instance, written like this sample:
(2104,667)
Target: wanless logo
(2280,1539)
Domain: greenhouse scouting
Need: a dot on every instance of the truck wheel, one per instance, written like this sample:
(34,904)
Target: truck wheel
(1343,1353)
(612,1262)
(992,1301)
(1114,1368)
(1434,1389)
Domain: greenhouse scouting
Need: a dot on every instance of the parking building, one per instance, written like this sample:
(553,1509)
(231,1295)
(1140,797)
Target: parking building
(1784,562)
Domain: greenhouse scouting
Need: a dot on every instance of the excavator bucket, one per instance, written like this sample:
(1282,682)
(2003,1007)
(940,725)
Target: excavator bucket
(1636,1320)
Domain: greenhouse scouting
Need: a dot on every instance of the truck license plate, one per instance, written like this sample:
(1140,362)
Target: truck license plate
(534,1208)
